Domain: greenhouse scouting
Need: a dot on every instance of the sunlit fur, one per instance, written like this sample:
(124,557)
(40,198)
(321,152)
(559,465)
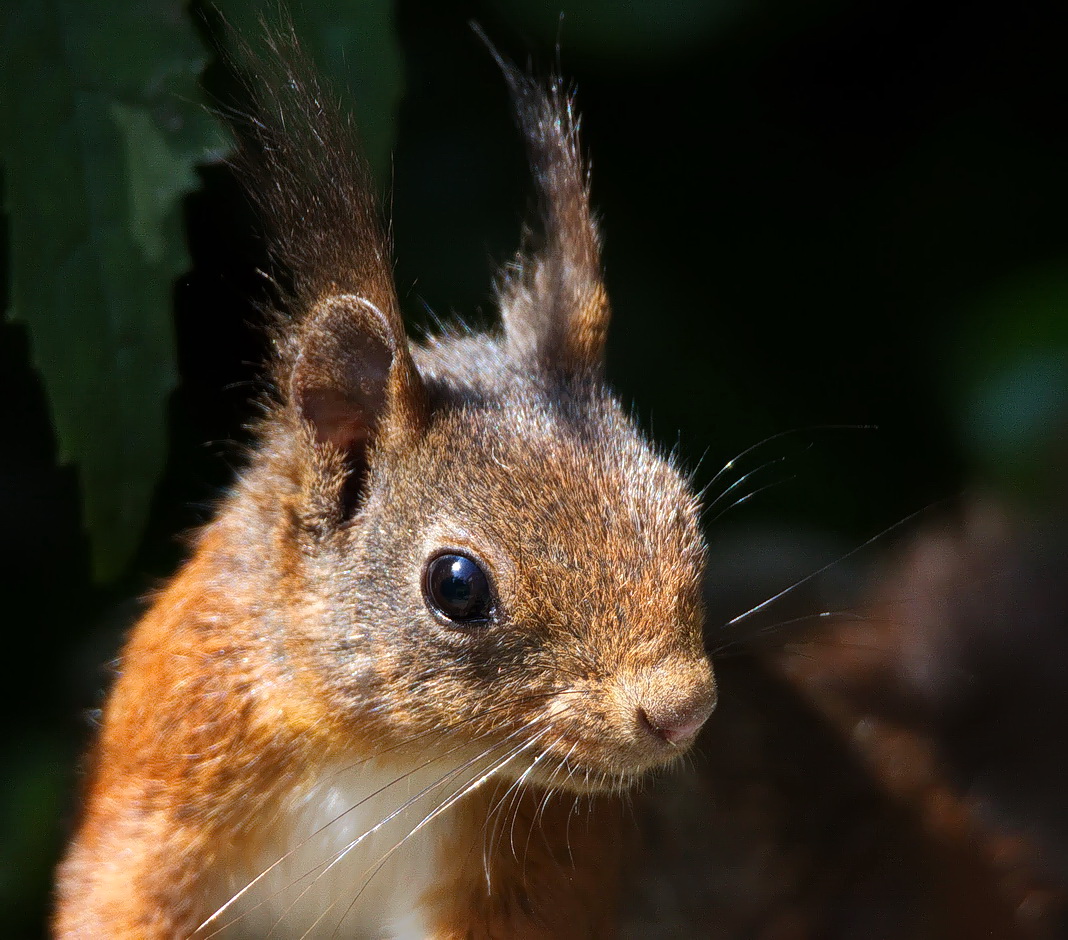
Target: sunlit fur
(296,647)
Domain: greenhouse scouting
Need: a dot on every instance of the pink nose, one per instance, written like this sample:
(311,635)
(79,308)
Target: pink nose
(677,723)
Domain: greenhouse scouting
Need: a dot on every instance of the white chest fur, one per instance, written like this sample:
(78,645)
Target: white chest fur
(349,856)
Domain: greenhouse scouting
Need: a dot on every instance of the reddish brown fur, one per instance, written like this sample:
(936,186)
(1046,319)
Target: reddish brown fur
(561,879)
(297,637)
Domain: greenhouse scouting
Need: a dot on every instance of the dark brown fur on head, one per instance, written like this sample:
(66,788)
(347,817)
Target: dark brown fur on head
(504,446)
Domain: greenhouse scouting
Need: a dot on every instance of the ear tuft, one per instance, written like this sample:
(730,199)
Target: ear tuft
(301,163)
(344,363)
(553,301)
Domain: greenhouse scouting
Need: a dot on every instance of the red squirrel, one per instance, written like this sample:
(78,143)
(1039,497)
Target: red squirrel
(447,616)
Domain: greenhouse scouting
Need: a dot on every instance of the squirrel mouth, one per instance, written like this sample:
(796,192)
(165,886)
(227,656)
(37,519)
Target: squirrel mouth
(622,735)
(569,766)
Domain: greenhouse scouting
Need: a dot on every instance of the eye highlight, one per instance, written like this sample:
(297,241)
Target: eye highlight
(458,588)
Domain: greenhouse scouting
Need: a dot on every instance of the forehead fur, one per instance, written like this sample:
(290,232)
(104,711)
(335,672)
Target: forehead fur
(550,459)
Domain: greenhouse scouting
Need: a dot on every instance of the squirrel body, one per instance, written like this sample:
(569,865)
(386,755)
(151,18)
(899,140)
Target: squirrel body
(167,846)
(449,613)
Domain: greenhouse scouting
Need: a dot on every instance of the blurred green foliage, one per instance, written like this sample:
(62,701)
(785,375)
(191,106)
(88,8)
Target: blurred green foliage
(93,188)
(96,160)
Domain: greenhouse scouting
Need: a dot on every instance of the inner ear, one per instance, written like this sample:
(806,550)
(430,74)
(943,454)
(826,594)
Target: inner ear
(339,388)
(353,380)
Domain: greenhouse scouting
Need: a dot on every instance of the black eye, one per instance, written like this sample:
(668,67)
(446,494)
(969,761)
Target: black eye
(458,588)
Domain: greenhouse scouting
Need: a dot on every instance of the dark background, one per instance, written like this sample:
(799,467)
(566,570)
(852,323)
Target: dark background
(815,213)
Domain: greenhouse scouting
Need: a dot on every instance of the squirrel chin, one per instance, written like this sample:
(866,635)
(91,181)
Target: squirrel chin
(581,778)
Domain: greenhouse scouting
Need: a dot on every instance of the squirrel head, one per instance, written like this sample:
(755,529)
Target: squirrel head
(480,549)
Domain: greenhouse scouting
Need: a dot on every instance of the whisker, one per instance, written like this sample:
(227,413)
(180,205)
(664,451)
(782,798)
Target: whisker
(747,497)
(729,465)
(879,611)
(692,473)
(837,561)
(512,808)
(518,799)
(741,480)
(500,813)
(438,732)
(490,844)
(305,841)
(340,854)
(539,814)
(567,828)
(849,615)
(486,838)
(495,768)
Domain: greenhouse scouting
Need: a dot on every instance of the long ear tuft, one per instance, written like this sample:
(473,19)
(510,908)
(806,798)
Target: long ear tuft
(344,365)
(301,163)
(553,302)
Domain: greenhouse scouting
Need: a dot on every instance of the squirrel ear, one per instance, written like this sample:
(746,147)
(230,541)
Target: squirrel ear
(345,361)
(553,301)
(353,378)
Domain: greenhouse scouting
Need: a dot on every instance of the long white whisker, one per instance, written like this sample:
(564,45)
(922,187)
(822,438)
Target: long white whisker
(539,814)
(340,854)
(304,842)
(729,465)
(407,742)
(741,480)
(829,565)
(518,797)
(495,768)
(567,828)
(747,497)
(488,830)
(844,615)
(498,814)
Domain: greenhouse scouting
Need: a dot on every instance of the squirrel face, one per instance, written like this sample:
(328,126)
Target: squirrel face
(526,568)
(490,554)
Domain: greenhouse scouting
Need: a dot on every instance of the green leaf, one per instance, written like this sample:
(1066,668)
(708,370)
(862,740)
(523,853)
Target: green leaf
(354,44)
(101,138)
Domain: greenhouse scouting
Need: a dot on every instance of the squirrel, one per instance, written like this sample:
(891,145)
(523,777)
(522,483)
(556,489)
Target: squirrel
(447,617)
